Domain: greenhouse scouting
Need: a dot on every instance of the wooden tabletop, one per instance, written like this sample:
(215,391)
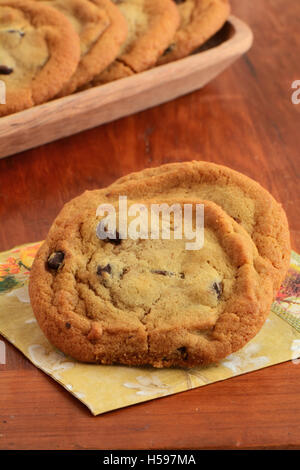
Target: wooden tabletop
(244,119)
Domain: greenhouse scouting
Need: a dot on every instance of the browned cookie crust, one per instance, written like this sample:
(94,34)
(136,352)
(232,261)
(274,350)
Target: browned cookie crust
(39,53)
(104,51)
(200,20)
(147,301)
(151,27)
(136,302)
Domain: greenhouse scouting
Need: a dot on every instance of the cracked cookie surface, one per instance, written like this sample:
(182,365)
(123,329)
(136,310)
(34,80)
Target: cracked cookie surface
(39,53)
(143,301)
(151,27)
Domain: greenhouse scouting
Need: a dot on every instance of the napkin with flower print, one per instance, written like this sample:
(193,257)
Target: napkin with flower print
(106,388)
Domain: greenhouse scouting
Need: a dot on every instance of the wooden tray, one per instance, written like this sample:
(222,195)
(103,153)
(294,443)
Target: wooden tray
(69,115)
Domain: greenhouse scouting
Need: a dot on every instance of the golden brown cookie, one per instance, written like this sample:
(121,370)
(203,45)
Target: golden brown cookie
(200,20)
(138,301)
(102,30)
(39,53)
(239,196)
(152,25)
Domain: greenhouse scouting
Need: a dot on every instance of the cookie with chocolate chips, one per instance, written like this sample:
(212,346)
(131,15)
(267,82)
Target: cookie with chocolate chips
(39,53)
(151,27)
(140,300)
(250,205)
(200,20)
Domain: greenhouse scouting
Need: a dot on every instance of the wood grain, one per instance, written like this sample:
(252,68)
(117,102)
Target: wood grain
(227,415)
(244,119)
(90,108)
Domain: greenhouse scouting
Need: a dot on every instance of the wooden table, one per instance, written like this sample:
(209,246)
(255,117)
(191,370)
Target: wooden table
(244,119)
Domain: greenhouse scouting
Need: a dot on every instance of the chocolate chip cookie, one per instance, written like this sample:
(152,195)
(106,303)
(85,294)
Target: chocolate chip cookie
(151,25)
(106,298)
(200,20)
(39,53)
(243,199)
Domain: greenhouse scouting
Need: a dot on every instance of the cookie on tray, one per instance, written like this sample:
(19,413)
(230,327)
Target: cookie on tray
(102,30)
(142,300)
(40,51)
(200,20)
(152,25)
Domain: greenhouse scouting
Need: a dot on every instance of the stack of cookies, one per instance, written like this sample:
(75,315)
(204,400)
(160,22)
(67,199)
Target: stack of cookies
(51,48)
(105,297)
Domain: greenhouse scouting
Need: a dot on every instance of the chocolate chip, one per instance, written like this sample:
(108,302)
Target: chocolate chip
(167,273)
(183,352)
(21,33)
(68,325)
(4,70)
(162,273)
(169,49)
(104,269)
(55,260)
(179,1)
(125,271)
(218,288)
(108,237)
(237,219)
(114,240)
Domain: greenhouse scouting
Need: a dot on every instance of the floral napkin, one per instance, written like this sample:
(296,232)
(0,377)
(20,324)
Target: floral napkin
(105,388)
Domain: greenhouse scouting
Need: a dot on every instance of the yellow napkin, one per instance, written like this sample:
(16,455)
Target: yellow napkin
(105,388)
